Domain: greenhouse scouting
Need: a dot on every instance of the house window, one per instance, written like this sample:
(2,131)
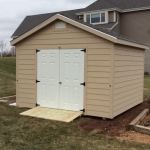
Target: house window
(97,18)
(102,17)
(88,18)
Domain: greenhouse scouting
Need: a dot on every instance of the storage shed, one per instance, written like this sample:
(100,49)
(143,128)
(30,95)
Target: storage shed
(64,64)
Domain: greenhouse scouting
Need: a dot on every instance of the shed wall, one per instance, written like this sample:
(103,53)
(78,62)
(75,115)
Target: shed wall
(97,66)
(128,78)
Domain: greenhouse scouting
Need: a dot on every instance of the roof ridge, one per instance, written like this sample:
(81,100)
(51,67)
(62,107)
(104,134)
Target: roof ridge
(55,12)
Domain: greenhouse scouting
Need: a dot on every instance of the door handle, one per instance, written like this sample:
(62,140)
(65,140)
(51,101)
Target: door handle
(60,83)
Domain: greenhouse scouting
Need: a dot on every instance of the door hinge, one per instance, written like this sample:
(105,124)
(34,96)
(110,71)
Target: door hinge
(37,81)
(83,110)
(37,105)
(83,84)
(37,50)
(84,50)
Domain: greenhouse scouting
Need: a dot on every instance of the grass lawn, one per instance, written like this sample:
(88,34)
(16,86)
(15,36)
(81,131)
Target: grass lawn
(25,133)
(7,76)
(147,87)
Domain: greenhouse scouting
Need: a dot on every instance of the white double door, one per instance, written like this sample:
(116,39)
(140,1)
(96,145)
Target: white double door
(60,75)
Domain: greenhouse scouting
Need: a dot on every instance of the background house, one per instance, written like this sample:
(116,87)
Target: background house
(126,17)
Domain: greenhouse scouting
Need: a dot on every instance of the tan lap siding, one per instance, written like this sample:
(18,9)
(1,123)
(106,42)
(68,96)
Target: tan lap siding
(97,65)
(128,78)
(26,72)
(98,81)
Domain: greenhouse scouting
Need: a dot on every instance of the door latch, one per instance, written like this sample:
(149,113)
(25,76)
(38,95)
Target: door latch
(83,84)
(37,81)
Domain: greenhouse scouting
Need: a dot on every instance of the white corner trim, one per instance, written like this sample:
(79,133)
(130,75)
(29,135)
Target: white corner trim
(113,26)
(115,16)
(88,27)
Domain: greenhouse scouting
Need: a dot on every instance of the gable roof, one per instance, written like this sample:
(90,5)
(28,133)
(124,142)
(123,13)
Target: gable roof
(31,22)
(111,36)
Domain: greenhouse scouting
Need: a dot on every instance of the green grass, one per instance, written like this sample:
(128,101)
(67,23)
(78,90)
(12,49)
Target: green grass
(25,133)
(7,76)
(147,87)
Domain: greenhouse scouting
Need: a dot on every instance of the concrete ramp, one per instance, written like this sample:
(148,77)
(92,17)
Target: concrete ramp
(52,114)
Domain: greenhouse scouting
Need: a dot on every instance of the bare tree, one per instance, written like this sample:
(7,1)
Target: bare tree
(2,46)
(12,51)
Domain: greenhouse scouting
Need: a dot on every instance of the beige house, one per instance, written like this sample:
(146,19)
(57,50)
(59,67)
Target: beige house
(65,64)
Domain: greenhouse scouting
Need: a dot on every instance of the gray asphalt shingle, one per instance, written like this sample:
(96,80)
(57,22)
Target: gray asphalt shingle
(120,4)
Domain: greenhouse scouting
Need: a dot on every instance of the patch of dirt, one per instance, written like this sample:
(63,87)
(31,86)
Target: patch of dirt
(118,125)
(145,121)
(134,136)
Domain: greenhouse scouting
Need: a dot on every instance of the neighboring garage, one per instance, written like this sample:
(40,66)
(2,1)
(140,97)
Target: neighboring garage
(67,65)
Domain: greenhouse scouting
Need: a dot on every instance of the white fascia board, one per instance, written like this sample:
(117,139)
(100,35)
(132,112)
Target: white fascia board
(13,37)
(113,26)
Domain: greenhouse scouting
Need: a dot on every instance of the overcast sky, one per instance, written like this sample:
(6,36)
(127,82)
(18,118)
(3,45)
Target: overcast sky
(12,12)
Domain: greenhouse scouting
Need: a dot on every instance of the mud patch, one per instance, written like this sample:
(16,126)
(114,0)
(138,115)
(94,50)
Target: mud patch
(118,125)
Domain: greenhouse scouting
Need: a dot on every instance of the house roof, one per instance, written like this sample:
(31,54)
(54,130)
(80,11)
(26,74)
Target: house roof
(103,34)
(30,22)
(118,4)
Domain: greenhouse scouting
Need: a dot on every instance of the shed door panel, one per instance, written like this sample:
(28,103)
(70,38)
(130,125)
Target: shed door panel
(60,73)
(48,75)
(71,76)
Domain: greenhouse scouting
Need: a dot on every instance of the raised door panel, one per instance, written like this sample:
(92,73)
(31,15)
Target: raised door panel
(48,75)
(71,76)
